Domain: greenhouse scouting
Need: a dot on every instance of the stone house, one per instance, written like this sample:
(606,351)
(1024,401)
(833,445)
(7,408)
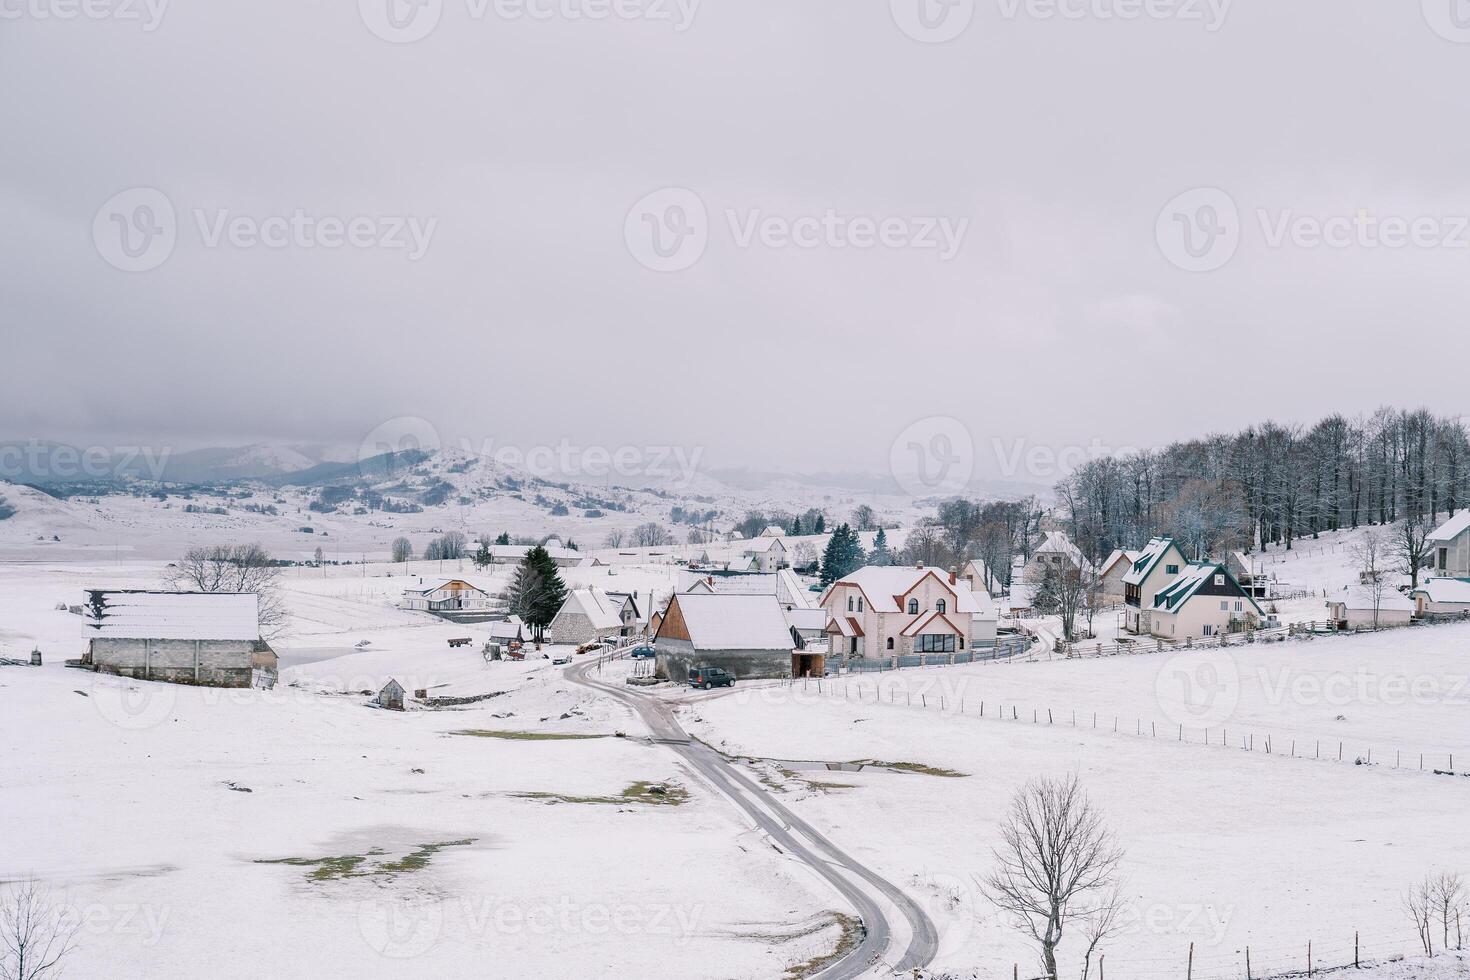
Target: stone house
(207,638)
(591,614)
(745,634)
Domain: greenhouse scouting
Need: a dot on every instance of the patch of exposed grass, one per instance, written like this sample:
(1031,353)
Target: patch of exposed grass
(918,767)
(851,934)
(358,866)
(525,736)
(651,794)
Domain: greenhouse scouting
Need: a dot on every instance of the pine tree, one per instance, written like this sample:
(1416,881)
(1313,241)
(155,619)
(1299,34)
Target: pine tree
(880,554)
(796,526)
(482,555)
(844,554)
(504,538)
(537,591)
(821,527)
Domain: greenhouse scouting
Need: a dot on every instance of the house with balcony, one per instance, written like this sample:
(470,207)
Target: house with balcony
(1155,568)
(879,612)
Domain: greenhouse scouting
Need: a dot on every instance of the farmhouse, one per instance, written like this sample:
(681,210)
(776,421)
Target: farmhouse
(514,554)
(1156,567)
(183,637)
(450,595)
(1353,607)
(1056,551)
(976,575)
(1205,600)
(784,585)
(898,611)
(763,554)
(1450,544)
(508,631)
(1441,596)
(744,634)
(591,614)
(1114,570)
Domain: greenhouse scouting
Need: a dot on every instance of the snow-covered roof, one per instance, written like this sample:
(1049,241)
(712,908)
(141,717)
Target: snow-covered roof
(933,621)
(450,584)
(773,531)
(1148,559)
(1451,590)
(1057,542)
(1452,528)
(141,615)
(509,629)
(516,552)
(761,545)
(734,622)
(807,619)
(886,585)
(1193,576)
(1023,594)
(1360,598)
(602,611)
(1119,555)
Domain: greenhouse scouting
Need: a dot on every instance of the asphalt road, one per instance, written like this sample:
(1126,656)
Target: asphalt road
(872,898)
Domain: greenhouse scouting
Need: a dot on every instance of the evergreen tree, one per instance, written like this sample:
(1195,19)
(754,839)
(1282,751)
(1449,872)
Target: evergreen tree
(821,527)
(796,526)
(482,555)
(844,554)
(504,538)
(880,554)
(537,591)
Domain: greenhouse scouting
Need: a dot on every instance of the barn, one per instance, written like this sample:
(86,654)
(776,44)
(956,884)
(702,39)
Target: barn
(207,638)
(744,634)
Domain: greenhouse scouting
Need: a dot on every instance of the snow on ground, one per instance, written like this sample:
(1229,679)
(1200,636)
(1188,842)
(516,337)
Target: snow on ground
(399,846)
(1226,848)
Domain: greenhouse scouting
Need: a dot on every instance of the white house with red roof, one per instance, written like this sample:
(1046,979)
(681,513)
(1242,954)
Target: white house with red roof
(895,611)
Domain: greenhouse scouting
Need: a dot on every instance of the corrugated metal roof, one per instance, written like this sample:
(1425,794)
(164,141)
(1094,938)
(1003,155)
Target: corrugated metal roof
(132,615)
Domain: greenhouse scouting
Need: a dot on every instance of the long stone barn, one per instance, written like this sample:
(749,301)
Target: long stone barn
(204,638)
(744,634)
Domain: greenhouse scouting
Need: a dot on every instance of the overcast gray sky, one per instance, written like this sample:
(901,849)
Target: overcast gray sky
(991,240)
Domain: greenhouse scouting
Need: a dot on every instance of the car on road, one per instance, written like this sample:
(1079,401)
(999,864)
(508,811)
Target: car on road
(560,659)
(642,653)
(705,678)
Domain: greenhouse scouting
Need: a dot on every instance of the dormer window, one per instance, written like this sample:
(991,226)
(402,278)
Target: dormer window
(849,603)
(939,606)
(913,607)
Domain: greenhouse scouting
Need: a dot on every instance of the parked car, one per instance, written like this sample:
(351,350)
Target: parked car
(705,678)
(561,659)
(592,647)
(643,653)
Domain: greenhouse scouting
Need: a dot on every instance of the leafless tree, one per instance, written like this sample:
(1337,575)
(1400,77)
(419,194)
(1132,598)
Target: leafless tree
(614,538)
(1102,922)
(1057,864)
(233,568)
(863,518)
(1447,897)
(651,535)
(1411,547)
(1419,904)
(34,935)
(1369,554)
(402,549)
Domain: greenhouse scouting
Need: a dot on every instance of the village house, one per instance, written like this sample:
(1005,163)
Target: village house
(976,575)
(745,634)
(1441,597)
(591,614)
(1353,607)
(450,595)
(784,585)
(1450,547)
(1057,552)
(1203,601)
(207,638)
(508,632)
(1112,572)
(763,554)
(514,554)
(896,611)
(1156,567)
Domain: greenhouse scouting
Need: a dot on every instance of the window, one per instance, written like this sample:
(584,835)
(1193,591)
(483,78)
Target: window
(1224,605)
(934,643)
(939,606)
(1239,606)
(913,607)
(1207,630)
(849,603)
(860,603)
(1219,580)
(1172,569)
(890,643)
(1443,557)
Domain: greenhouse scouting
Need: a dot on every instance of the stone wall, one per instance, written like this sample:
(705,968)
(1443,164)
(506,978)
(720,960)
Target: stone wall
(676,657)
(217,663)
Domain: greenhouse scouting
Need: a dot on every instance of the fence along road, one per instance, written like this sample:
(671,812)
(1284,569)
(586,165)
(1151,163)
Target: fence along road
(872,897)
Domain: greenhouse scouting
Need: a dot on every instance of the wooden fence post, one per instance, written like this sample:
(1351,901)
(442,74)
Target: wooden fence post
(1189,974)
(1247,963)
(1309,957)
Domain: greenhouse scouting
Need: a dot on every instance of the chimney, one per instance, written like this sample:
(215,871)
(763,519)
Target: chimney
(919,565)
(952,578)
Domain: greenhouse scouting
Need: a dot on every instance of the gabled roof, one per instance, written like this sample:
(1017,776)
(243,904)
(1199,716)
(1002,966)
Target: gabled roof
(1360,598)
(447,583)
(1057,542)
(510,629)
(624,599)
(1451,590)
(806,619)
(602,611)
(734,622)
(925,622)
(1149,558)
(886,585)
(143,615)
(1178,592)
(1119,555)
(761,545)
(1451,529)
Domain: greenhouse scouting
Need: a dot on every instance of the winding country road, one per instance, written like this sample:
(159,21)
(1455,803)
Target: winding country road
(878,902)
